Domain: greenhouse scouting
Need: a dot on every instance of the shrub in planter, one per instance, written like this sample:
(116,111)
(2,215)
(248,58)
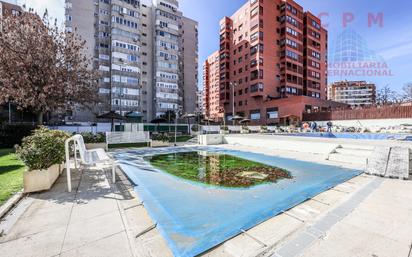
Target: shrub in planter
(195,128)
(224,130)
(43,149)
(245,129)
(90,138)
(160,140)
(42,152)
(161,137)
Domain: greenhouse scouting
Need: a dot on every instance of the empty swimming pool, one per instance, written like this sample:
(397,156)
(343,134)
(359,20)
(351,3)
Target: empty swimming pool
(195,214)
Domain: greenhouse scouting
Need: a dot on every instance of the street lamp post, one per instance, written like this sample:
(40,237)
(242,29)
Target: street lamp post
(168,116)
(176,117)
(222,110)
(199,114)
(122,95)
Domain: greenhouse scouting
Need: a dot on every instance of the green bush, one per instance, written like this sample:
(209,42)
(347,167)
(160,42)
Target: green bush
(43,148)
(161,137)
(12,134)
(90,138)
(195,128)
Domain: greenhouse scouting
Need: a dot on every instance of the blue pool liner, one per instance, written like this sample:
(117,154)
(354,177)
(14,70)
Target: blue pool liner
(195,217)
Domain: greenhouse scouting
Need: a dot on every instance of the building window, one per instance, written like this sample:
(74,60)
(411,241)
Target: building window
(255,115)
(316,55)
(272,113)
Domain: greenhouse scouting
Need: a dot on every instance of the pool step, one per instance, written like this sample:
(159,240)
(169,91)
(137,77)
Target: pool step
(351,154)
(354,152)
(338,157)
(358,147)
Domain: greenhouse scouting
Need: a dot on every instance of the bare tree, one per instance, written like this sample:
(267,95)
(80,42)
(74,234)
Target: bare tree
(43,68)
(407,92)
(387,96)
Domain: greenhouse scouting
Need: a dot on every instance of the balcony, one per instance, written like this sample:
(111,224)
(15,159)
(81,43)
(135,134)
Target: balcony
(256,90)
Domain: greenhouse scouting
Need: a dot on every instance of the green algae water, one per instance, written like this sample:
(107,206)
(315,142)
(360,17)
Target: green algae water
(218,169)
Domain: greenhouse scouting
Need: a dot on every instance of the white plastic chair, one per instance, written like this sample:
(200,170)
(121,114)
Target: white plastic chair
(87,157)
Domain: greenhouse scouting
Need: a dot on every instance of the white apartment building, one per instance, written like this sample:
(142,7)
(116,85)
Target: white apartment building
(137,47)
(354,93)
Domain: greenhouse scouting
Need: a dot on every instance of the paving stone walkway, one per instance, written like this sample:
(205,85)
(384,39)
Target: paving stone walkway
(86,222)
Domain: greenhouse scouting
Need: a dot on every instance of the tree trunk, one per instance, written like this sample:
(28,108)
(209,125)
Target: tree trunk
(40,118)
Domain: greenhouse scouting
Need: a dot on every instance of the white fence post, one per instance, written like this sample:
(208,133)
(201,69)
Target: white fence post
(67,149)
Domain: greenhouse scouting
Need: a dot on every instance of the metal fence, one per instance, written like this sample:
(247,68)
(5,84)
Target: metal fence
(384,112)
(127,127)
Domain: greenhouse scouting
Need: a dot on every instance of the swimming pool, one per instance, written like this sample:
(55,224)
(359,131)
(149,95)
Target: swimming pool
(194,217)
(364,136)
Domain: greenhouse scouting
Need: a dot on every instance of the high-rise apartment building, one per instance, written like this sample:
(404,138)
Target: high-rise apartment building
(211,87)
(190,53)
(272,55)
(354,93)
(139,49)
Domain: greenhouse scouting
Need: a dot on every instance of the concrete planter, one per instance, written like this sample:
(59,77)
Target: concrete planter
(95,146)
(224,132)
(160,144)
(211,139)
(245,131)
(40,180)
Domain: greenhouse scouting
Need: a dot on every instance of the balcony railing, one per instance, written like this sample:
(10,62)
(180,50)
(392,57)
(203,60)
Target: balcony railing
(256,88)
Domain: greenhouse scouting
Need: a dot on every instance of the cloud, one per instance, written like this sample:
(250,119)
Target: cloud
(397,50)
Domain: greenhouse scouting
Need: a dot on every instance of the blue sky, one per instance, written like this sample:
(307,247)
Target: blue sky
(393,41)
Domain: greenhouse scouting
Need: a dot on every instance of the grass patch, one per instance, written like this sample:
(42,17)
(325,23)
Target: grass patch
(11,174)
(131,145)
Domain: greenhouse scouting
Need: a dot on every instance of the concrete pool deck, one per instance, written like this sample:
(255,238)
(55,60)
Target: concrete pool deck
(365,216)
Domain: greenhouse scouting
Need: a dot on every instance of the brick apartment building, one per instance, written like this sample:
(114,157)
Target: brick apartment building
(353,93)
(211,101)
(272,64)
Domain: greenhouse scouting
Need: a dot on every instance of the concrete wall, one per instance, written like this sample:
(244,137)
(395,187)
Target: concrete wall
(211,139)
